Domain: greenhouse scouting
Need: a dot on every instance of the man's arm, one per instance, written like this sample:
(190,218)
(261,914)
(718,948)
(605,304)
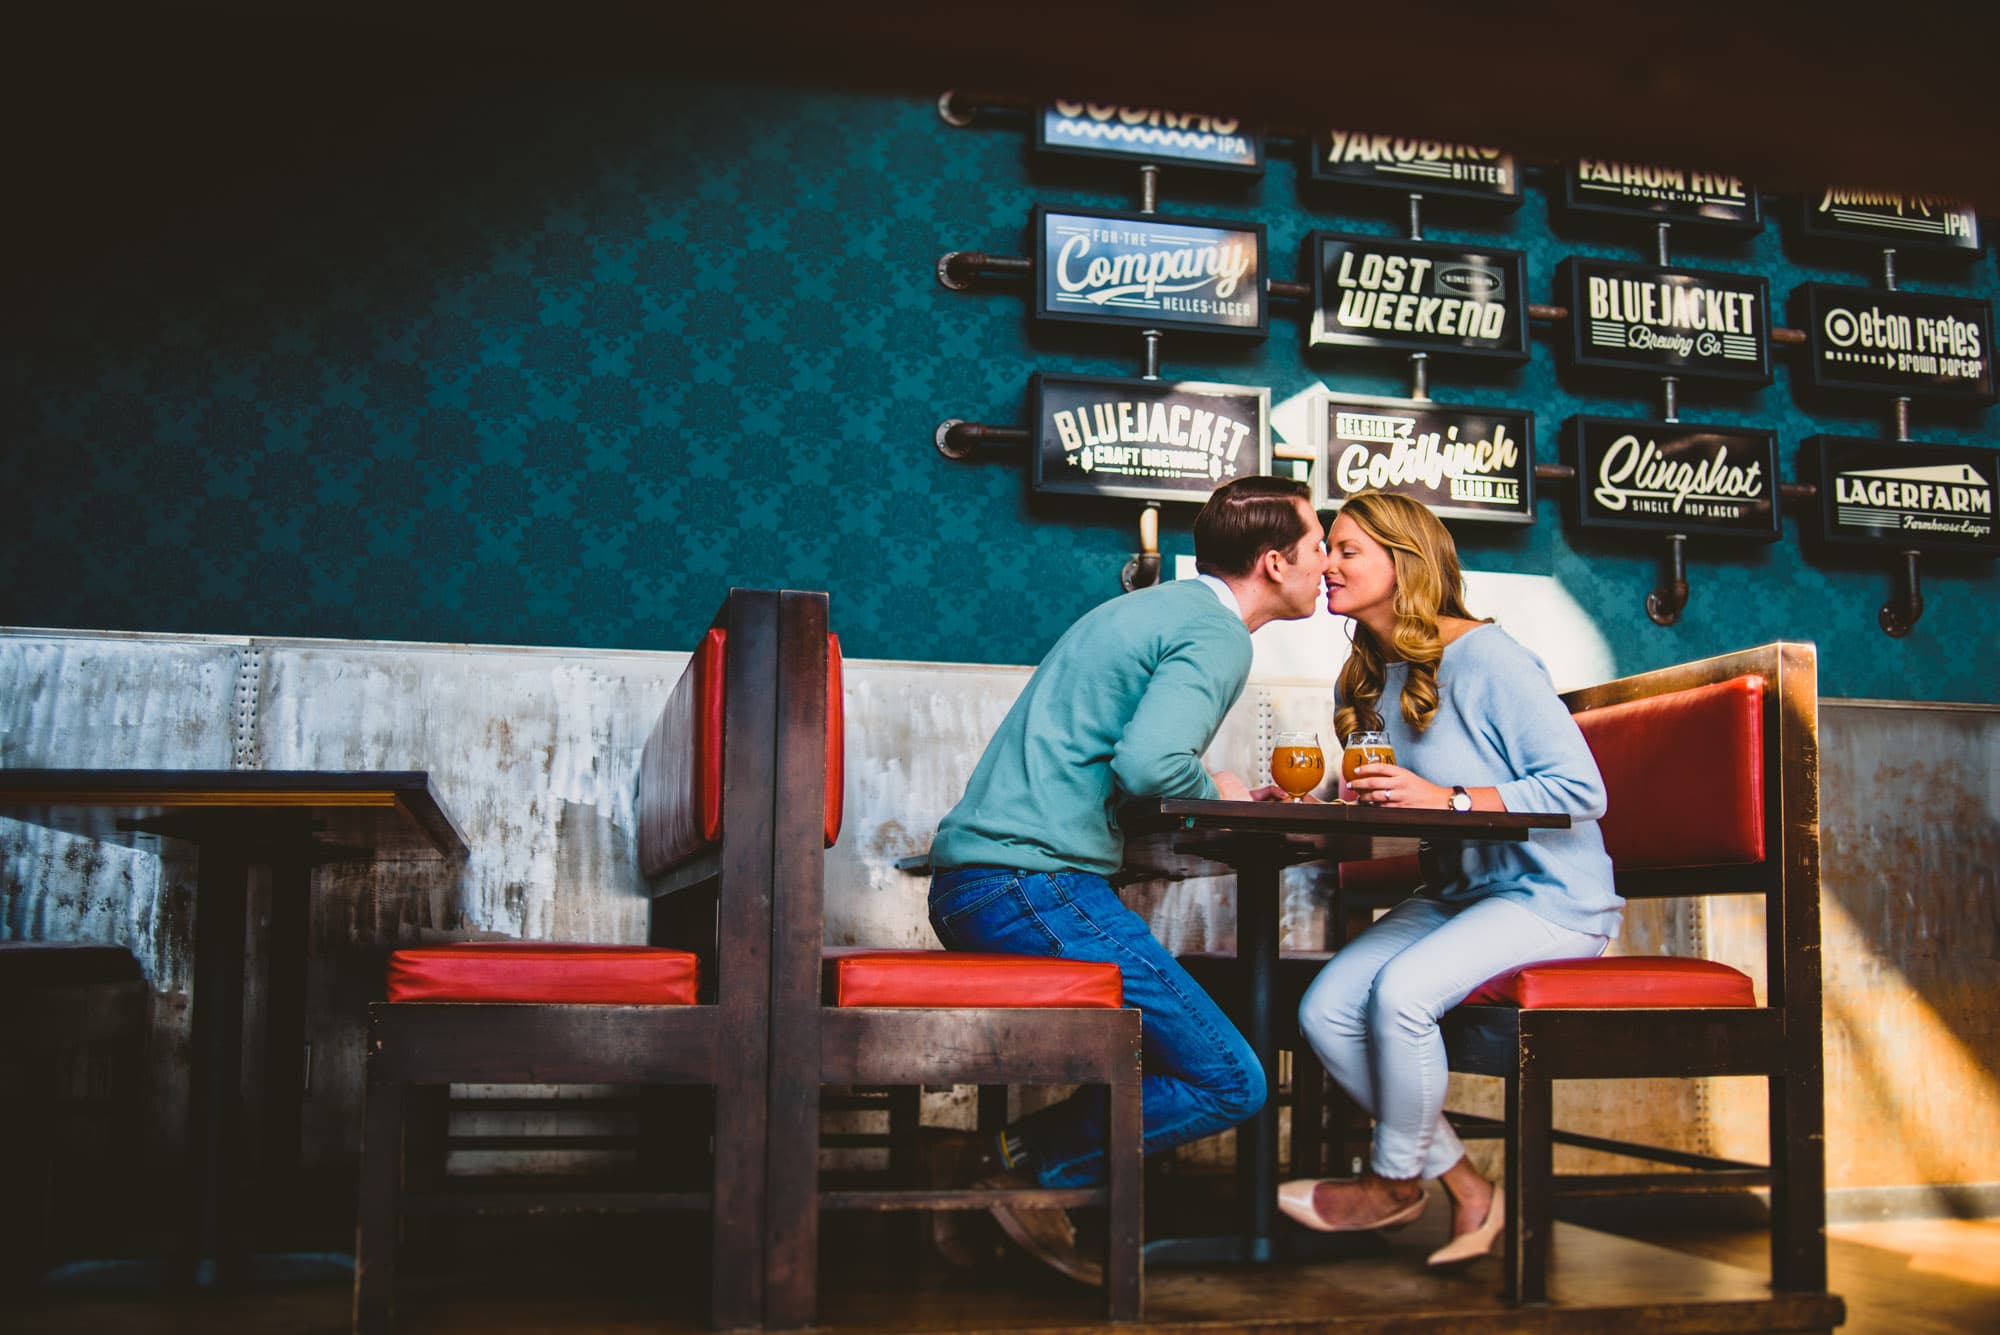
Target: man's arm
(1159,754)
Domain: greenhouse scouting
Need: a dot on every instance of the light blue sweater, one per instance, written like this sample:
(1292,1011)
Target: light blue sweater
(1499,724)
(1123,706)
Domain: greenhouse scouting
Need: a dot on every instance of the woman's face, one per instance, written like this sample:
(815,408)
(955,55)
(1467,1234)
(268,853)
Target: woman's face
(1360,573)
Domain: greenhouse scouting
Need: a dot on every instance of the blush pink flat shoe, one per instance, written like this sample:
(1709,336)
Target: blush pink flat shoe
(1478,1242)
(1295,1198)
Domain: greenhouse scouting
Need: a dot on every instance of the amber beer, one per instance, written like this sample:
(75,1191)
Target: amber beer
(1297,763)
(1365,748)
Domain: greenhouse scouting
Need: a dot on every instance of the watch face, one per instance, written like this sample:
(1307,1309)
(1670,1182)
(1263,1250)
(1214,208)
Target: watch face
(1461,800)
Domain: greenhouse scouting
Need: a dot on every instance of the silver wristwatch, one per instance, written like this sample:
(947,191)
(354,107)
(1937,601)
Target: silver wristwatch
(1460,799)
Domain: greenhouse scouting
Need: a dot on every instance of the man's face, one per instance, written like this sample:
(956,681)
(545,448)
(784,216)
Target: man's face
(1303,570)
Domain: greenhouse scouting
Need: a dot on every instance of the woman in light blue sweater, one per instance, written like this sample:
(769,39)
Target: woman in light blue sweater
(1476,725)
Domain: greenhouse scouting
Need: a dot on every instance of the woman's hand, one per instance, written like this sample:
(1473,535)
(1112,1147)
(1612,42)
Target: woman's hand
(1270,792)
(1394,786)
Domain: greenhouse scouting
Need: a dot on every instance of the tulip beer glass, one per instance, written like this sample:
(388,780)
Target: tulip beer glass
(1365,748)
(1297,764)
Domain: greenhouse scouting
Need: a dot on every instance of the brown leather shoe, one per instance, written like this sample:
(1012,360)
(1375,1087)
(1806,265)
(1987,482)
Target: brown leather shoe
(1045,1233)
(955,1159)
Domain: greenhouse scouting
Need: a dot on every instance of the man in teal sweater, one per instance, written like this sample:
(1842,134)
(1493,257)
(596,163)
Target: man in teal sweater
(1123,707)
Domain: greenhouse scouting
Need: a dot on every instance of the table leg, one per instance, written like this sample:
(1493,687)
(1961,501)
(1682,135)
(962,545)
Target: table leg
(1257,1139)
(215,1075)
(1259,1240)
(286,961)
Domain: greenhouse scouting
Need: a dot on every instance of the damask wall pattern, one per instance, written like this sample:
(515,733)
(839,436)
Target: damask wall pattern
(559,362)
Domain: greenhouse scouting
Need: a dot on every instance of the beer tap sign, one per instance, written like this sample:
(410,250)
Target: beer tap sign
(1902,344)
(1146,440)
(1463,462)
(1120,133)
(1417,296)
(1890,218)
(1661,321)
(1149,271)
(1405,165)
(1900,496)
(1673,478)
(1716,201)
(1676,481)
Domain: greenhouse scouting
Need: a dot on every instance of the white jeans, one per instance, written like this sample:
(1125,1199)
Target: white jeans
(1372,1014)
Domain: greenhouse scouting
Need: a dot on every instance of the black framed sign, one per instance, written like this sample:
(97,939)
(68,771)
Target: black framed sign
(1462,462)
(1904,496)
(1149,271)
(1875,218)
(1417,296)
(1673,477)
(1426,166)
(1146,134)
(1150,440)
(1913,344)
(1679,322)
(1662,194)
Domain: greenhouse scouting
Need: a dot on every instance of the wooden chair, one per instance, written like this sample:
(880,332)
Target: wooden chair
(911,1018)
(1712,771)
(546,1013)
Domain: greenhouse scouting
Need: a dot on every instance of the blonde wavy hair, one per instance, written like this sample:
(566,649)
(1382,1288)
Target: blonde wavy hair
(1429,584)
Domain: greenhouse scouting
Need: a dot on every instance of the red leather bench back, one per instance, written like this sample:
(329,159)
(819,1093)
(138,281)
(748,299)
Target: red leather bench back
(1684,773)
(683,759)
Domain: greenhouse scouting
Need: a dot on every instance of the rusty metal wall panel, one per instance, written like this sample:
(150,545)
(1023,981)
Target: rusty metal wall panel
(533,752)
(1910,926)
(914,732)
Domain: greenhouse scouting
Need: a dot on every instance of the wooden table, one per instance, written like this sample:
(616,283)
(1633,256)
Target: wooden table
(1258,840)
(288,821)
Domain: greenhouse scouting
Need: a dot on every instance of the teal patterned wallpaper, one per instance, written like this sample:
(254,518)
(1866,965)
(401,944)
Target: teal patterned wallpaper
(558,362)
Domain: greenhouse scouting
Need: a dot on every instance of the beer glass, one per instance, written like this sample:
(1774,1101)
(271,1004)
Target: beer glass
(1365,747)
(1297,764)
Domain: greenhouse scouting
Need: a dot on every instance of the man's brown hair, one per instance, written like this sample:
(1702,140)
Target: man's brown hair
(1246,518)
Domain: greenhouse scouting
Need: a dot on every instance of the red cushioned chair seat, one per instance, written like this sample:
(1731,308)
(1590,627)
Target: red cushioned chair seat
(544,971)
(953,978)
(1619,982)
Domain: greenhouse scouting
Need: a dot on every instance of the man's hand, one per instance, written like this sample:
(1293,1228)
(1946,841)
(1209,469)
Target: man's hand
(1230,787)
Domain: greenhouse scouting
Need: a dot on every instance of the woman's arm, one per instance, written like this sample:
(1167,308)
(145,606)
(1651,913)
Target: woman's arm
(1554,768)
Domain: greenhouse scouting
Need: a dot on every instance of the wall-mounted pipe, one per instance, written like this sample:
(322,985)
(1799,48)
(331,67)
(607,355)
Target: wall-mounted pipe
(959,110)
(1143,570)
(959,439)
(1898,617)
(957,268)
(1665,603)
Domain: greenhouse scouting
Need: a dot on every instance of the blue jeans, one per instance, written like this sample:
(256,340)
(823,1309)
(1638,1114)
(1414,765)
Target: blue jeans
(1200,1076)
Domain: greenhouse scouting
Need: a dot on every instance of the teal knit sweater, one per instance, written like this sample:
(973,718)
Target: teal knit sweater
(1123,706)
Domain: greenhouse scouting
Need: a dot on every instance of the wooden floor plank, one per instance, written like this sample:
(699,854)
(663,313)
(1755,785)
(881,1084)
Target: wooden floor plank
(1603,1285)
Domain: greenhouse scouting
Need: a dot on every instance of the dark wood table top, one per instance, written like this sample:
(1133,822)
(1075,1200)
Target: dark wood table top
(382,813)
(1163,834)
